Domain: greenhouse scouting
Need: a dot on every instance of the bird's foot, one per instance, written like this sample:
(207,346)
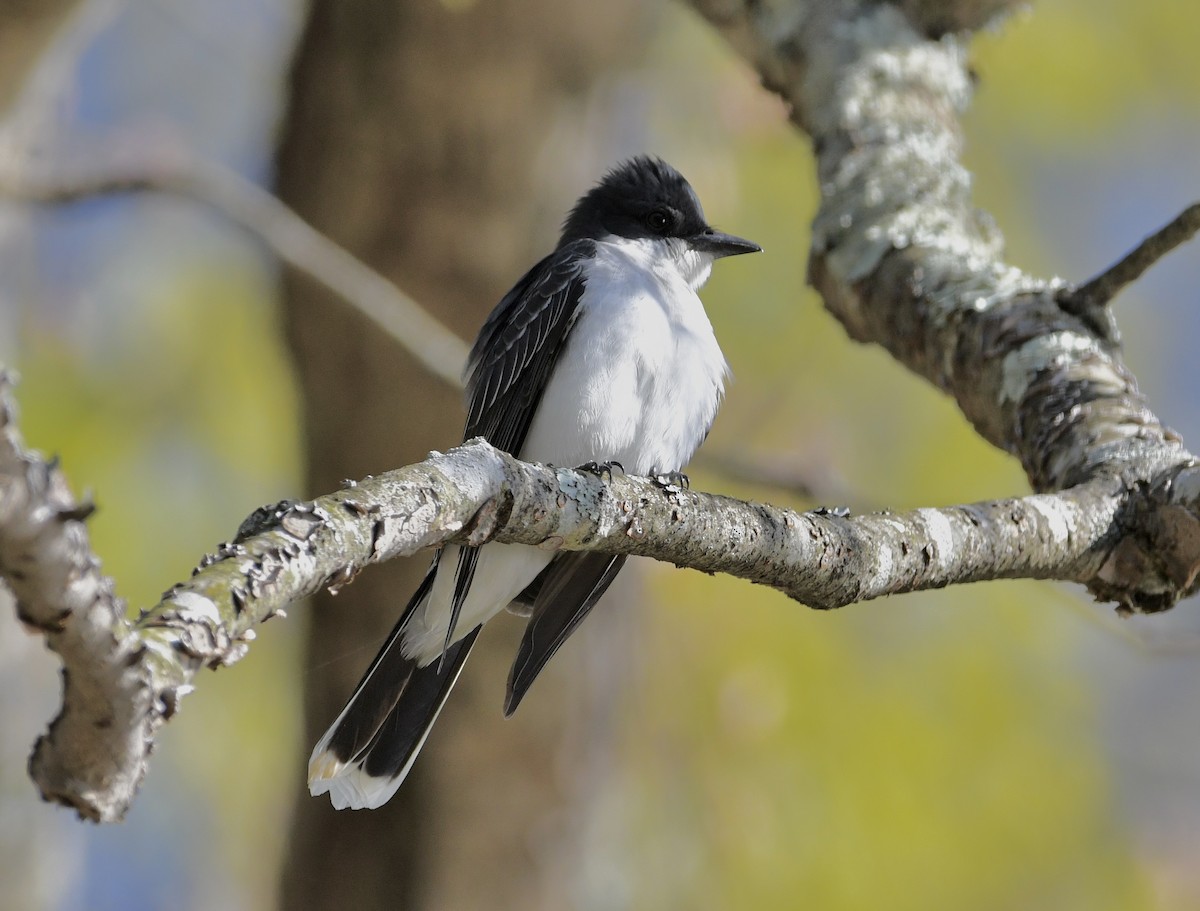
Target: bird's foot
(836,512)
(671,479)
(263,519)
(605,471)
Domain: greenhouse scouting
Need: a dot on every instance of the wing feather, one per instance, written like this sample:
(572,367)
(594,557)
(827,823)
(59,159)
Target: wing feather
(562,596)
(519,345)
(511,363)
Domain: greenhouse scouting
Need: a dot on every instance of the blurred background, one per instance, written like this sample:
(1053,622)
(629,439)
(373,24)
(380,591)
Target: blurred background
(701,743)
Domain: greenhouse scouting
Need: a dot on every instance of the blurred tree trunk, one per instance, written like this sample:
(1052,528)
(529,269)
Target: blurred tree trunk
(25,28)
(413,139)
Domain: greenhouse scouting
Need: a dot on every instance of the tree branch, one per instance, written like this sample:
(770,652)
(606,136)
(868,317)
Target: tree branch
(130,682)
(91,756)
(902,259)
(1099,291)
(166,168)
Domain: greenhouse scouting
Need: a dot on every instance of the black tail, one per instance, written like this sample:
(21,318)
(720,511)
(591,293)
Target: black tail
(366,753)
(562,596)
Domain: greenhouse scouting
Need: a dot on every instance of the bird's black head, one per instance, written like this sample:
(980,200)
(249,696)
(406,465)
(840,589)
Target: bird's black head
(647,198)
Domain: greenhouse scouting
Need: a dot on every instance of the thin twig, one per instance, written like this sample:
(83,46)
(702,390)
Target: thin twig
(1099,291)
(170,170)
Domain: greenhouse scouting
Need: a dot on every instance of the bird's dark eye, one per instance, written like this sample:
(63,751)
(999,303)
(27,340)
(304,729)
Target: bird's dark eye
(659,221)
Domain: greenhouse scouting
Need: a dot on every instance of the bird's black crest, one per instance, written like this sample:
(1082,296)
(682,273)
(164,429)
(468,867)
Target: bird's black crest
(641,197)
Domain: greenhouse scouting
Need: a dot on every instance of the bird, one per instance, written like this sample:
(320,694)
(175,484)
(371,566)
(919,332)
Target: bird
(600,356)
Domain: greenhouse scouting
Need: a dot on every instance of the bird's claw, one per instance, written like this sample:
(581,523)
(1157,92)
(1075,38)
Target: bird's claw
(605,471)
(671,479)
(836,512)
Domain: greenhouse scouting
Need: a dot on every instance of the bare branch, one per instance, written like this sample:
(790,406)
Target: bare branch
(165,168)
(476,494)
(1099,291)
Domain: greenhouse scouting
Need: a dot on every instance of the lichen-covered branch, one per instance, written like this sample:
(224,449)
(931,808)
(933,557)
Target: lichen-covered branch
(132,679)
(476,494)
(90,756)
(122,681)
(903,260)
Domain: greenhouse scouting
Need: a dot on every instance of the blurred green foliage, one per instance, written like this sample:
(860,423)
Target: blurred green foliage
(192,417)
(1070,71)
(922,754)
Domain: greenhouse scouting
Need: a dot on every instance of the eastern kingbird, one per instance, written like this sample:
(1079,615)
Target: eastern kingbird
(601,353)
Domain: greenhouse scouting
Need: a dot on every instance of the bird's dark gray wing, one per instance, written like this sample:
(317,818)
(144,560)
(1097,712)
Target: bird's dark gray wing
(511,363)
(519,344)
(565,591)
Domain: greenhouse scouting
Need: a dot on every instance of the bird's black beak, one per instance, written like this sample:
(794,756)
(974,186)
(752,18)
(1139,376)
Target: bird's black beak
(712,241)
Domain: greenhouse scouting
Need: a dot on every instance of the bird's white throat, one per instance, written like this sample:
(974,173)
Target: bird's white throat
(668,254)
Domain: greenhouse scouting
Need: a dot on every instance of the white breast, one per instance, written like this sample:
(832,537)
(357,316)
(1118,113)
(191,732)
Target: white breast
(641,376)
(638,382)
